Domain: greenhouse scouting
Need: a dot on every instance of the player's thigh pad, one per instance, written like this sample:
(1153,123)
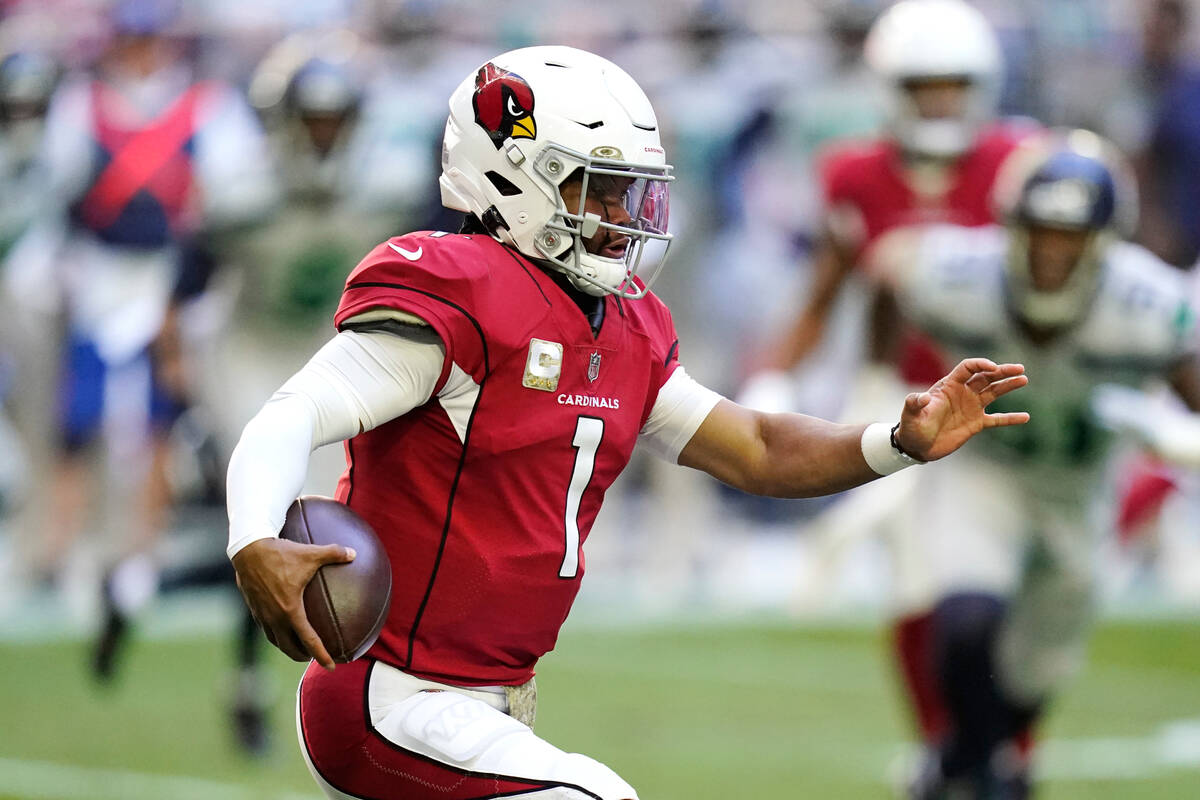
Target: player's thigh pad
(1043,639)
(415,740)
(966,531)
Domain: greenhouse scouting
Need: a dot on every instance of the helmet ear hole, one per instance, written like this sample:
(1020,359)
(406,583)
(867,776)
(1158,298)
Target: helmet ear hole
(503,185)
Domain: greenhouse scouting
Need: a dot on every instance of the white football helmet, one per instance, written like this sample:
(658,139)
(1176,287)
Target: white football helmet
(929,39)
(526,121)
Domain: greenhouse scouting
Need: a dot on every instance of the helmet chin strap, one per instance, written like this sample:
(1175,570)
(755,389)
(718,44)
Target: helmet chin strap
(943,138)
(603,273)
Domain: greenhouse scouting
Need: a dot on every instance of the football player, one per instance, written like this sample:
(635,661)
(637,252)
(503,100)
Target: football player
(27,81)
(941,66)
(491,385)
(1011,588)
(140,161)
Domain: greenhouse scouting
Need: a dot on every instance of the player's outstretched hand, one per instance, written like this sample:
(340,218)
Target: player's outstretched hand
(272,574)
(937,422)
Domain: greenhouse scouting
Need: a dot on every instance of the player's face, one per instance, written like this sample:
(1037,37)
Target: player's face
(323,130)
(606,197)
(1053,253)
(939,98)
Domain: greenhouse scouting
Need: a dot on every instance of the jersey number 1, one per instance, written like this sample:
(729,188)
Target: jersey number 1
(588,433)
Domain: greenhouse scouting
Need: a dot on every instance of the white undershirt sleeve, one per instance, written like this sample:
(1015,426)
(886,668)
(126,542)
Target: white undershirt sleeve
(680,408)
(356,382)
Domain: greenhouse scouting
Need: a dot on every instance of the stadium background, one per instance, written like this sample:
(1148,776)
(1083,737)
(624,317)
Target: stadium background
(719,647)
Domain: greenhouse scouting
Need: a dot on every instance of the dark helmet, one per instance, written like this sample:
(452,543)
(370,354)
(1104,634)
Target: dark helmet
(1067,180)
(27,80)
(323,88)
(1071,191)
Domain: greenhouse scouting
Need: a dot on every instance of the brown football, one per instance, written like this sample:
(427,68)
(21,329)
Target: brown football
(346,603)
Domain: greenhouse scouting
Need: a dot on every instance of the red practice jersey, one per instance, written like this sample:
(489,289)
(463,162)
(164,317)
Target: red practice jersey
(484,496)
(867,180)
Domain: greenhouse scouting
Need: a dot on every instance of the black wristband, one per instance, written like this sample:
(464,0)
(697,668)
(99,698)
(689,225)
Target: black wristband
(896,446)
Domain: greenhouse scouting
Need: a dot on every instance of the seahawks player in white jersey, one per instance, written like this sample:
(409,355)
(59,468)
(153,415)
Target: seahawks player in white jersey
(1011,593)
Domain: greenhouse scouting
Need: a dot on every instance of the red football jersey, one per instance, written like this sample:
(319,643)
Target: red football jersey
(866,189)
(868,180)
(484,498)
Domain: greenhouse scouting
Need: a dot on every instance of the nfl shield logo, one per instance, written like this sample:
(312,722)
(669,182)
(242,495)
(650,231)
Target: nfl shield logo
(594,367)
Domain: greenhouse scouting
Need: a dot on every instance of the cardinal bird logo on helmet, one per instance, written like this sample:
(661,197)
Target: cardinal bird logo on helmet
(503,104)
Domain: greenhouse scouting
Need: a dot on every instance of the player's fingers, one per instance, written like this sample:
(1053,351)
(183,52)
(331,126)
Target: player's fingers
(284,637)
(310,641)
(980,380)
(1007,418)
(968,367)
(1002,387)
(291,646)
(1010,369)
(334,554)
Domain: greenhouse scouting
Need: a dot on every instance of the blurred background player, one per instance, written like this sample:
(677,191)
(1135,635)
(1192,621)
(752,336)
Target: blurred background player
(347,170)
(143,163)
(1013,589)
(941,67)
(27,81)
(343,191)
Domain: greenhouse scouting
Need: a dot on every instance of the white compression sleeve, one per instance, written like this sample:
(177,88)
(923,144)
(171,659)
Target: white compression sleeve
(680,408)
(356,382)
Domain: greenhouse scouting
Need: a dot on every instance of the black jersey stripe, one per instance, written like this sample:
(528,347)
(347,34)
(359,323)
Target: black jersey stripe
(521,263)
(462,459)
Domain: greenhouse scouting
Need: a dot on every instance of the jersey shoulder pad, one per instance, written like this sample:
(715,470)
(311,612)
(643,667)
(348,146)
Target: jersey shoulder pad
(449,267)
(993,146)
(652,317)
(845,165)
(955,285)
(432,275)
(425,256)
(1007,133)
(1144,308)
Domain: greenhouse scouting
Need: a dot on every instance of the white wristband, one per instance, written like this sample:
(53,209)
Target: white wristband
(878,451)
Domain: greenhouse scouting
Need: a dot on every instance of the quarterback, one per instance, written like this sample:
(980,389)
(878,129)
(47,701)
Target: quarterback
(491,384)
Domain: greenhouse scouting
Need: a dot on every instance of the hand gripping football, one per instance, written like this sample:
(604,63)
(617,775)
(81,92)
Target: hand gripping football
(345,603)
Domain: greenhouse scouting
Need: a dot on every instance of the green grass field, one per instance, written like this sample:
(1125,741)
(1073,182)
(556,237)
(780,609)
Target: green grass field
(688,713)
